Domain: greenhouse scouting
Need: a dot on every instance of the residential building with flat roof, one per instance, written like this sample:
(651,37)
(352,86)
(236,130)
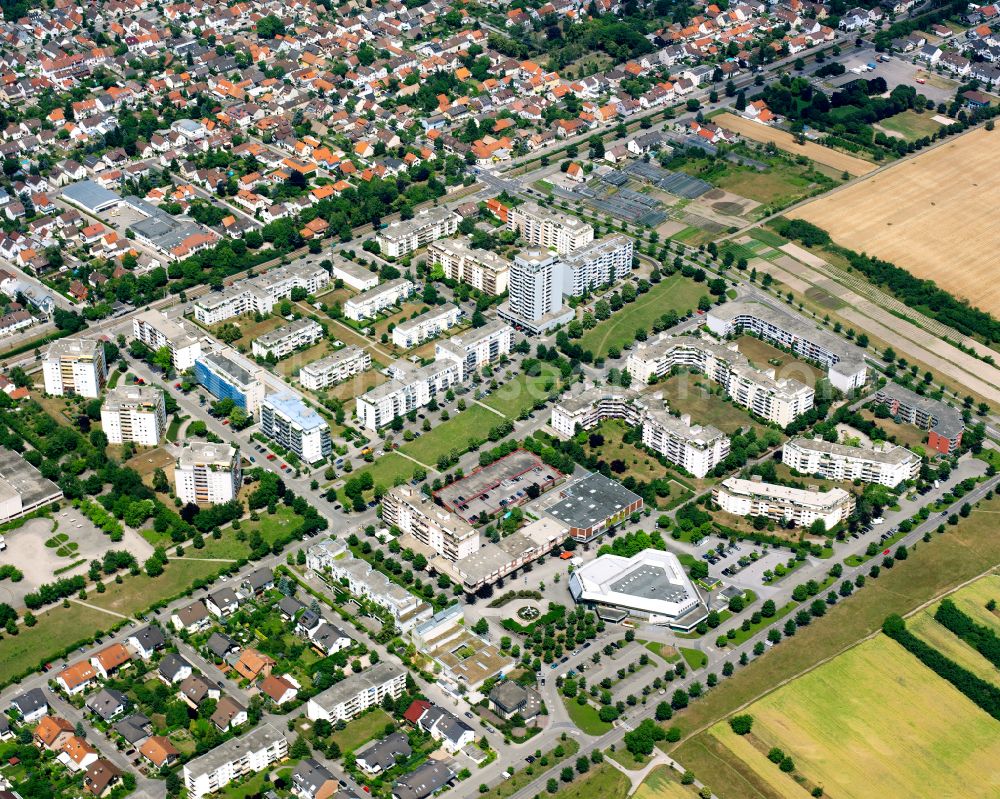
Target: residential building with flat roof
(406,235)
(336,368)
(777,400)
(484,270)
(416,514)
(844,361)
(134,414)
(288,421)
(207,473)
(888,465)
(371,303)
(75,367)
(535,293)
(355,276)
(426,326)
(229,761)
(358,692)
(593,505)
(651,587)
(411,387)
(224,378)
(287,339)
(22,487)
(155,330)
(783,503)
(943,422)
(478,346)
(545,227)
(259,294)
(596,264)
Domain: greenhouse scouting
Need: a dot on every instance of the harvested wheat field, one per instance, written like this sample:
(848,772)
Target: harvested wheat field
(786,141)
(931,215)
(873,722)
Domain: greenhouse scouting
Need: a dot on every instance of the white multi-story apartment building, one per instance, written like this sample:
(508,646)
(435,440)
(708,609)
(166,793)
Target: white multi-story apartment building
(288,421)
(155,330)
(477,347)
(535,293)
(416,514)
(259,294)
(544,227)
(207,473)
(696,448)
(134,414)
(844,361)
(356,276)
(75,366)
(372,302)
(603,261)
(482,269)
(425,326)
(335,368)
(407,235)
(288,338)
(233,759)
(783,503)
(358,692)
(779,401)
(411,387)
(226,378)
(888,465)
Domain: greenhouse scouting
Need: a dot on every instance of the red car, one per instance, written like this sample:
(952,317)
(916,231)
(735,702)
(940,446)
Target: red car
(270,456)
(885,551)
(225,421)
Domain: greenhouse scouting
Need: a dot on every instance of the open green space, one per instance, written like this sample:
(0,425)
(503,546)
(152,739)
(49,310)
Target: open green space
(765,356)
(524,776)
(705,403)
(361,730)
(768,237)
(137,593)
(675,293)
(695,658)
(912,125)
(665,651)
(516,396)
(604,781)
(386,472)
(230,546)
(586,718)
(663,783)
(474,422)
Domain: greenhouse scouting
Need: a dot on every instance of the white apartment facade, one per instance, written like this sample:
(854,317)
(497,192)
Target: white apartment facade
(288,338)
(598,263)
(478,346)
(592,406)
(535,293)
(287,420)
(259,294)
(75,367)
(484,270)
(410,388)
(781,503)
(229,761)
(134,414)
(406,235)
(155,330)
(355,276)
(544,227)
(370,303)
(358,692)
(333,369)
(425,326)
(780,401)
(696,448)
(887,465)
(416,514)
(207,473)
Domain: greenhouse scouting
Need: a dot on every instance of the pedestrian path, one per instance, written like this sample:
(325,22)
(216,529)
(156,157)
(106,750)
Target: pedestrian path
(102,610)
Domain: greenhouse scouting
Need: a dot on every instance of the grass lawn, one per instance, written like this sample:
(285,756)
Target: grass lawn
(665,651)
(841,727)
(912,125)
(962,553)
(605,781)
(692,394)
(768,237)
(175,426)
(663,783)
(764,356)
(474,422)
(585,718)
(780,613)
(356,385)
(135,594)
(361,730)
(387,469)
(270,527)
(695,658)
(516,396)
(781,185)
(675,293)
(524,776)
(906,434)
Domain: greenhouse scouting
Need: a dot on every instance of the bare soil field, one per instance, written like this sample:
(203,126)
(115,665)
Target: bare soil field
(784,140)
(936,224)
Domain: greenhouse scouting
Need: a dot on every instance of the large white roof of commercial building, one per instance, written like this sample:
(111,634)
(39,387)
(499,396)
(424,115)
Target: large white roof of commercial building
(652,581)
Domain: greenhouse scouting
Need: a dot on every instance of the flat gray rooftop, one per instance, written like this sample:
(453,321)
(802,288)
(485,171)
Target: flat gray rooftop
(591,500)
(649,582)
(26,480)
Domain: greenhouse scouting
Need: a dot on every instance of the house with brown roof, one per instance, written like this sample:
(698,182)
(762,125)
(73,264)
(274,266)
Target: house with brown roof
(192,618)
(110,659)
(77,678)
(52,732)
(229,713)
(196,689)
(252,664)
(280,689)
(101,777)
(76,754)
(159,751)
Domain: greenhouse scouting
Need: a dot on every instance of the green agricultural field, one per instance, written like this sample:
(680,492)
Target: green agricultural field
(925,627)
(663,783)
(675,293)
(516,396)
(912,125)
(873,722)
(973,598)
(474,422)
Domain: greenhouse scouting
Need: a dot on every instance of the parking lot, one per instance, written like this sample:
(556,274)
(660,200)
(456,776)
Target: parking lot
(899,69)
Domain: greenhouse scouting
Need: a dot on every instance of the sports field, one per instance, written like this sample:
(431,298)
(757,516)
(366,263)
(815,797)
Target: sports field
(786,141)
(874,722)
(936,225)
